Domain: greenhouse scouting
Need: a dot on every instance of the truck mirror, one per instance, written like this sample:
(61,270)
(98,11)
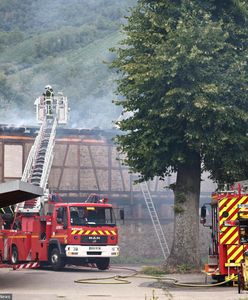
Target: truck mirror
(60,215)
(122,215)
(203,212)
(65,222)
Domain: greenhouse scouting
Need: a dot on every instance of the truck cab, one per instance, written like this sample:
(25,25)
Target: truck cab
(83,233)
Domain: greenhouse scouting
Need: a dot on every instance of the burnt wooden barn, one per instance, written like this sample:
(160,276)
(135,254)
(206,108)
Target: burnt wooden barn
(85,162)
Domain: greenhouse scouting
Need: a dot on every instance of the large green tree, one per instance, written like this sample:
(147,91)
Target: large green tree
(183,74)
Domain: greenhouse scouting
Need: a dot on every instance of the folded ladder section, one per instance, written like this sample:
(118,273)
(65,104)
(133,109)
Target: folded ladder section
(155,220)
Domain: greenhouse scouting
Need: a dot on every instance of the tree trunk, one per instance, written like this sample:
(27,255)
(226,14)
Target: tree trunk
(185,248)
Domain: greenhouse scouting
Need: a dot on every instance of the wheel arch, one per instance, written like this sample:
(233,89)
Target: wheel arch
(54,243)
(11,247)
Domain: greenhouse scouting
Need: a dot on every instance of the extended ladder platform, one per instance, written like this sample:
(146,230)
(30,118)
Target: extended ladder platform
(30,191)
(50,112)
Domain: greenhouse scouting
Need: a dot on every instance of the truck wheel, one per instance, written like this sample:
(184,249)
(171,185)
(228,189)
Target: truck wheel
(14,256)
(103,263)
(57,262)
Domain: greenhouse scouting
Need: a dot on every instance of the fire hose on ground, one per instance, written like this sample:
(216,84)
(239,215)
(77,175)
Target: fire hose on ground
(123,279)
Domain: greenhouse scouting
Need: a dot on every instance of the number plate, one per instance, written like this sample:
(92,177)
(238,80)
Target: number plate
(94,248)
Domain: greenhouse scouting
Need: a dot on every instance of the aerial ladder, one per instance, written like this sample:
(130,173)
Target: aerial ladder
(50,112)
(30,193)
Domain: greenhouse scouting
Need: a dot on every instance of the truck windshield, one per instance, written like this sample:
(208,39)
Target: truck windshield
(80,215)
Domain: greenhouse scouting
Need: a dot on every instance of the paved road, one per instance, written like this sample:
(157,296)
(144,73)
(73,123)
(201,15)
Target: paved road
(48,285)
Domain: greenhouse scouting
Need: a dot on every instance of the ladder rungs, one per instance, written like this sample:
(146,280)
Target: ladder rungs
(155,220)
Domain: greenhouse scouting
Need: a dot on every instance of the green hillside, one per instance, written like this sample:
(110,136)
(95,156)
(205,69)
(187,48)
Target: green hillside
(64,45)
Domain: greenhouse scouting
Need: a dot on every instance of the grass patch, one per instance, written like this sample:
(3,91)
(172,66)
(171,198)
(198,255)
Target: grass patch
(153,271)
(154,297)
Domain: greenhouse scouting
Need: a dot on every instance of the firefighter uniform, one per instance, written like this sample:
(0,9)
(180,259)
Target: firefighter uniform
(48,95)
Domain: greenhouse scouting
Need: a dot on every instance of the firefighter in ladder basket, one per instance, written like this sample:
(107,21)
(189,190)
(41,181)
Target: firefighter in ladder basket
(48,96)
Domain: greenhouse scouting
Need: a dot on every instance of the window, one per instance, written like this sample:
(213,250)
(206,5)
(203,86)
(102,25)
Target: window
(13,161)
(62,216)
(90,215)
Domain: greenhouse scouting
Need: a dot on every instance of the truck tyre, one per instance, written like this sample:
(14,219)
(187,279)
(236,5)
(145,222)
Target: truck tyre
(103,263)
(56,260)
(14,256)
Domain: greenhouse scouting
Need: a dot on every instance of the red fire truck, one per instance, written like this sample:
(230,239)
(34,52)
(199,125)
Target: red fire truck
(43,230)
(64,233)
(227,248)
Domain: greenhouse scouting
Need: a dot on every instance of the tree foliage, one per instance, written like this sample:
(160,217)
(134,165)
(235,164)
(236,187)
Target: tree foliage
(183,74)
